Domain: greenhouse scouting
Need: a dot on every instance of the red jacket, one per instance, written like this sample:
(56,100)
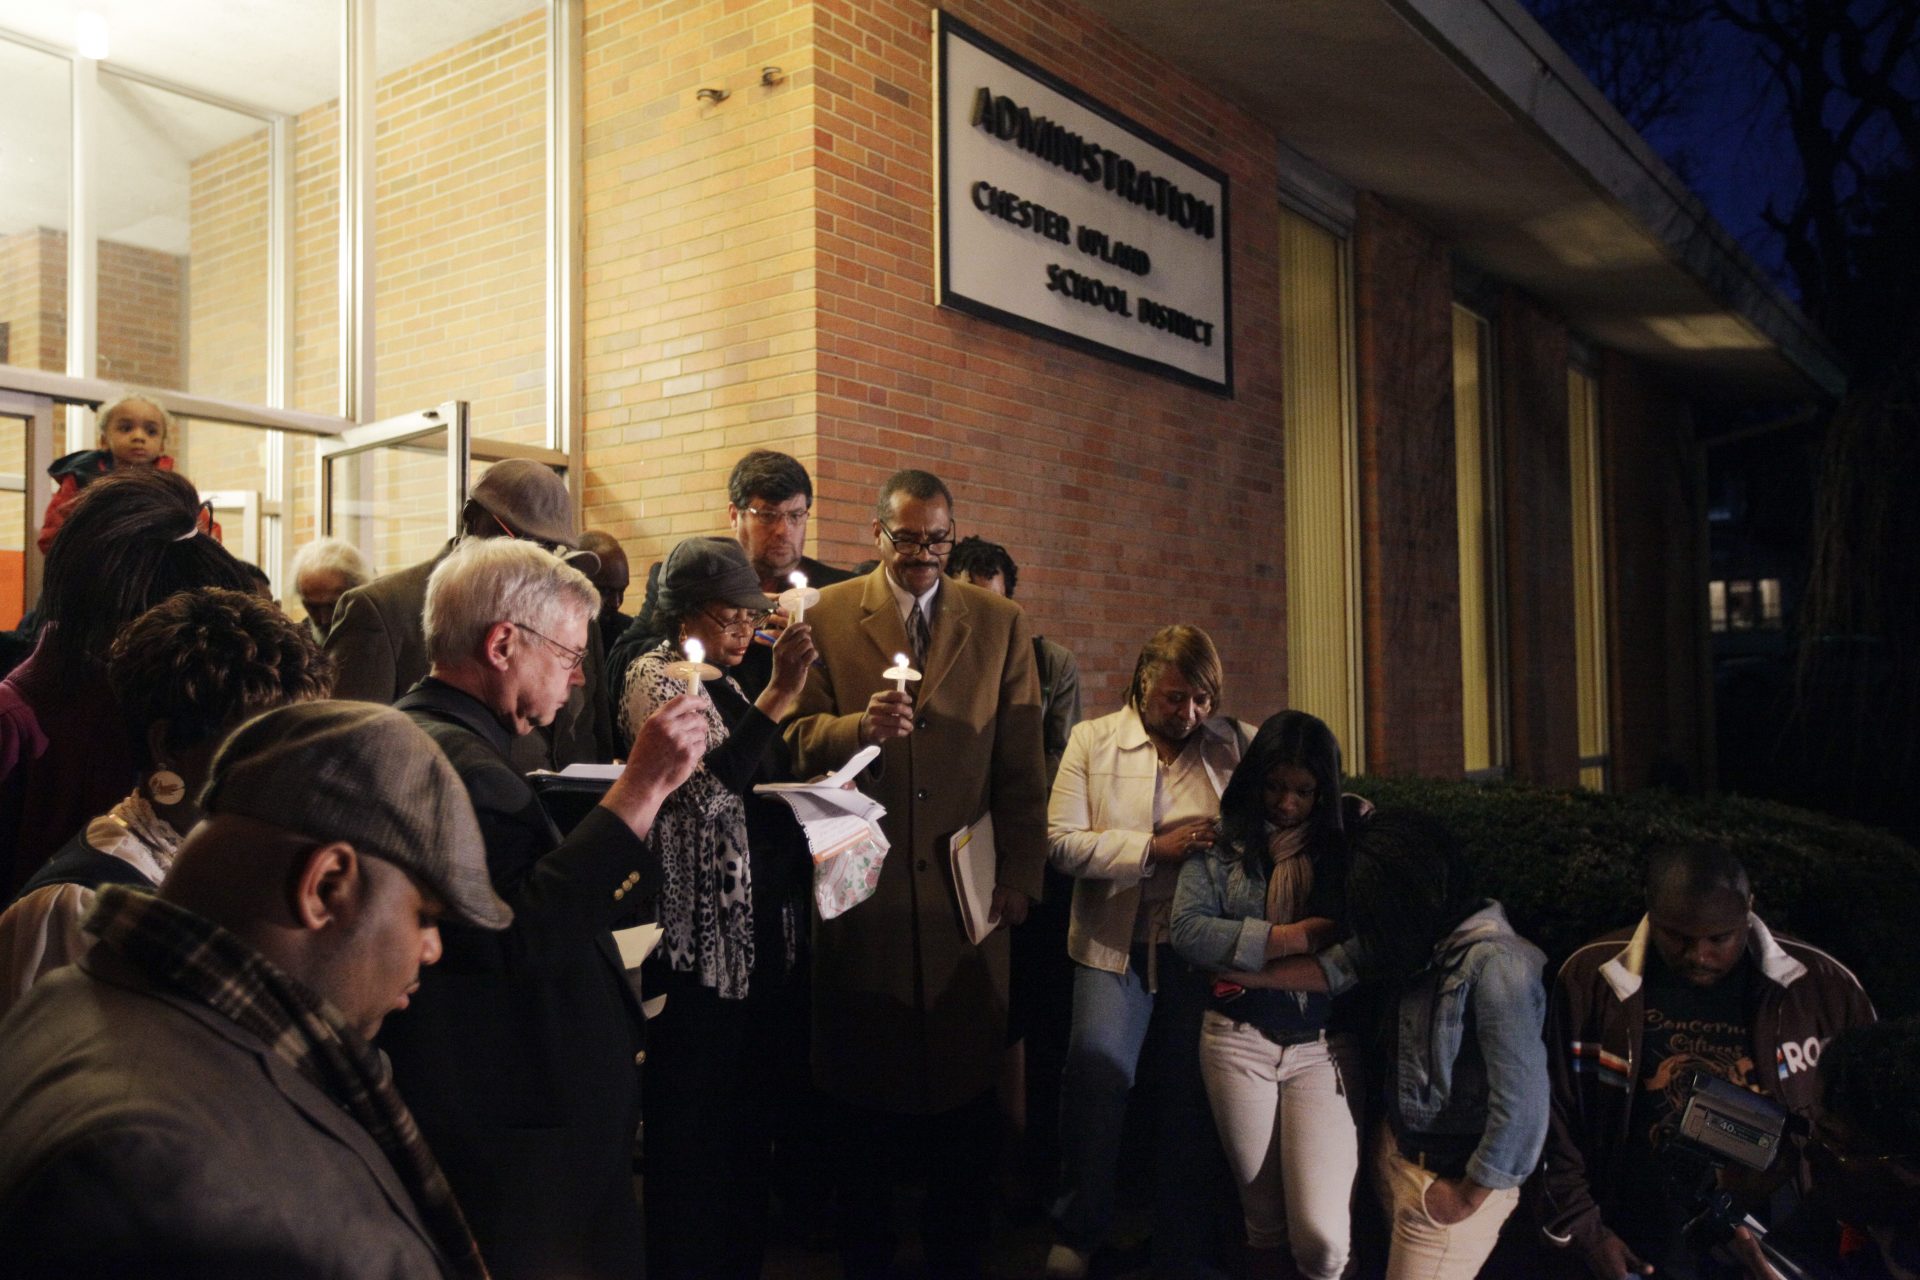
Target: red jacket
(1594,1022)
(75,471)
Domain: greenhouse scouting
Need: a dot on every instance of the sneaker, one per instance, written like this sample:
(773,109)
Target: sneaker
(1064,1262)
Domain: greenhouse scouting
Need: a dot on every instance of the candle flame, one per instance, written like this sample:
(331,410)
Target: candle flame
(696,652)
(899,659)
(798,579)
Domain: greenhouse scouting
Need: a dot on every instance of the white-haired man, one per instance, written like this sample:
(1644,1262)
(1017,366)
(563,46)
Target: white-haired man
(325,570)
(520,1054)
(379,642)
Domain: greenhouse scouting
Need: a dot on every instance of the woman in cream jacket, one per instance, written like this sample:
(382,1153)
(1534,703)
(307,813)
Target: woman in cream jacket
(1138,793)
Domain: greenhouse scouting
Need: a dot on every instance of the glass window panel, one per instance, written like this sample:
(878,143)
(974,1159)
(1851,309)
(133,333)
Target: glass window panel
(1741,606)
(1770,601)
(392,504)
(1482,673)
(1717,605)
(1589,575)
(15,538)
(36,125)
(1323,675)
(180,216)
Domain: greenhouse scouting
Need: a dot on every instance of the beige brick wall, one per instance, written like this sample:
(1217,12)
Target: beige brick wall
(761,272)
(700,294)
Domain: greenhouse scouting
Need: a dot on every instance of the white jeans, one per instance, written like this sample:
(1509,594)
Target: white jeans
(1286,1118)
(1422,1248)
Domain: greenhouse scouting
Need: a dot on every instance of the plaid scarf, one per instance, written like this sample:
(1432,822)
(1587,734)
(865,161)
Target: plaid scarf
(173,945)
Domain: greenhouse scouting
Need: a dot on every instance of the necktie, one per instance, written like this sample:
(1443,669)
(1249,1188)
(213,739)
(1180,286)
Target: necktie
(918,635)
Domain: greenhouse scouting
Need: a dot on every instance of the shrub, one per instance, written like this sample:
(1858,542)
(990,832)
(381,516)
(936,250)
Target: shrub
(1569,865)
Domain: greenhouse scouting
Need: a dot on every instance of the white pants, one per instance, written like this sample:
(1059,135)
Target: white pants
(1286,1118)
(1422,1248)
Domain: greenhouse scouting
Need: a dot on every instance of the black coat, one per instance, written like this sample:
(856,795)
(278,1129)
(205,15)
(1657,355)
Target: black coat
(518,1055)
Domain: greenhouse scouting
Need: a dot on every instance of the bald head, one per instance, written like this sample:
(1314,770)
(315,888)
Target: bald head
(1698,904)
(1694,872)
(613,575)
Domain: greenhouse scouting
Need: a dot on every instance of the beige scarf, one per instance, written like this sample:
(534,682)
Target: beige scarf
(1290,878)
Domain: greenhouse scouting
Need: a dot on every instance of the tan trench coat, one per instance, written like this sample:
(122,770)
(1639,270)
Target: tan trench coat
(909,1016)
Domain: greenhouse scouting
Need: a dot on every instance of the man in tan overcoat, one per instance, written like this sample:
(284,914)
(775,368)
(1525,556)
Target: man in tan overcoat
(909,1022)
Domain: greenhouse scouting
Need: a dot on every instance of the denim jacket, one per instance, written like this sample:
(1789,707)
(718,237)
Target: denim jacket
(1469,1057)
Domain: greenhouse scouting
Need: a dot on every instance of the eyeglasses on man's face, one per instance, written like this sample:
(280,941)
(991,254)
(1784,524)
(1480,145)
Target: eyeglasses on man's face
(739,626)
(936,544)
(552,548)
(773,517)
(573,657)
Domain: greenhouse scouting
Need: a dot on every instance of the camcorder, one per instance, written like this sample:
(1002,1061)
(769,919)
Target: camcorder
(1722,1126)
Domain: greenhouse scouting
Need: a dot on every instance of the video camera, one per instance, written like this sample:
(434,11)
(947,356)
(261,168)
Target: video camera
(1723,1126)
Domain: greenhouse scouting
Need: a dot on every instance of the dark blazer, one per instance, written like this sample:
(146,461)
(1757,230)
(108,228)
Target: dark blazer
(142,1134)
(381,648)
(518,1055)
(753,673)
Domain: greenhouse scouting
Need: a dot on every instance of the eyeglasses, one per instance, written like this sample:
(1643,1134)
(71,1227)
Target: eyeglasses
(769,517)
(937,545)
(542,543)
(739,629)
(574,657)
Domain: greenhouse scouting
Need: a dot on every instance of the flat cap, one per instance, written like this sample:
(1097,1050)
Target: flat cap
(366,774)
(530,499)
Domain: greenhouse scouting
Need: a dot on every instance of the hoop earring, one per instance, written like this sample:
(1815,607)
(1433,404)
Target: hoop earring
(166,787)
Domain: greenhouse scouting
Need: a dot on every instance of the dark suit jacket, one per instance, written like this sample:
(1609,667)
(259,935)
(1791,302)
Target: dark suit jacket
(518,1053)
(142,1134)
(381,650)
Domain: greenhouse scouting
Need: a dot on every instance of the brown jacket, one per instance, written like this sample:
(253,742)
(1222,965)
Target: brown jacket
(381,647)
(909,1016)
(1594,1019)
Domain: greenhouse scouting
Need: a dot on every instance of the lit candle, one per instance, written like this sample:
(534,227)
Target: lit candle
(900,673)
(696,655)
(796,598)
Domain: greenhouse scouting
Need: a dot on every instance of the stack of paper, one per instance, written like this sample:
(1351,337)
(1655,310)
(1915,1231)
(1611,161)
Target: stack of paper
(975,872)
(843,832)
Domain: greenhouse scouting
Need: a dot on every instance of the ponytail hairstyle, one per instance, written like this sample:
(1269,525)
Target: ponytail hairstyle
(132,540)
(1291,738)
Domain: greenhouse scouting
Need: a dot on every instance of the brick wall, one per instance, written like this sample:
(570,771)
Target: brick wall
(227,313)
(760,273)
(33,300)
(1410,570)
(1655,532)
(1537,506)
(1130,501)
(699,261)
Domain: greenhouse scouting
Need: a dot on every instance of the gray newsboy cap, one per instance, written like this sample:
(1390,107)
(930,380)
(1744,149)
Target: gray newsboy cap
(530,499)
(703,569)
(366,774)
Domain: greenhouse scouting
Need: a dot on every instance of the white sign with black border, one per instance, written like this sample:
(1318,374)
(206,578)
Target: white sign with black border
(1062,218)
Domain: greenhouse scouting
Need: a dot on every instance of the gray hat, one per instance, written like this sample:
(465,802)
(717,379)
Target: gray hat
(365,774)
(530,499)
(703,569)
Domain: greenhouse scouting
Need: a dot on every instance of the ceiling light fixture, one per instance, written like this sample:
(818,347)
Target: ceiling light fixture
(90,35)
